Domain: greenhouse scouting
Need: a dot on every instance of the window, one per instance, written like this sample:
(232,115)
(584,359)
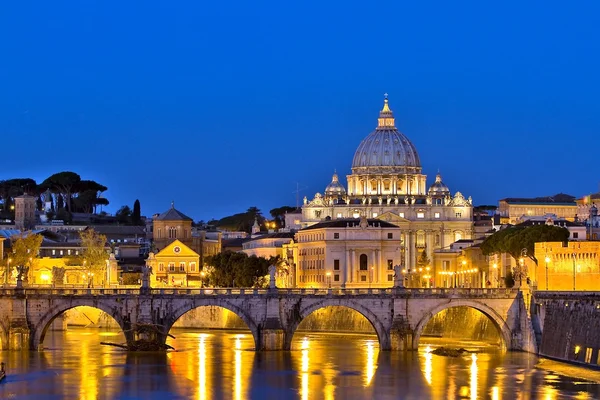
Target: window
(401,215)
(355,214)
(420,215)
(61,252)
(172,267)
(375,215)
(182,266)
(390,278)
(390,235)
(436,215)
(336,265)
(339,215)
(192,267)
(336,278)
(458,215)
(53,252)
(588,355)
(69,252)
(161,267)
(363,262)
(336,235)
(172,232)
(363,278)
(390,264)
(575,235)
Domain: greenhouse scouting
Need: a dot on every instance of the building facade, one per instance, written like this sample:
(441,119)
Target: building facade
(512,210)
(24,212)
(567,266)
(387,182)
(345,253)
(176,265)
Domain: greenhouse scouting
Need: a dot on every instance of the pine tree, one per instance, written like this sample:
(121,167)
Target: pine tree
(136,217)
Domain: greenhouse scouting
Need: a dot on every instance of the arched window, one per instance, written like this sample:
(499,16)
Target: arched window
(420,239)
(172,232)
(363,262)
(458,235)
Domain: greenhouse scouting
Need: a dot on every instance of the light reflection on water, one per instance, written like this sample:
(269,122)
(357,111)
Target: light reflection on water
(222,364)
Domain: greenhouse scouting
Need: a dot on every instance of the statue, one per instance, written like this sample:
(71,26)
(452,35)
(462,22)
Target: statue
(272,273)
(398,277)
(428,200)
(146,272)
(305,200)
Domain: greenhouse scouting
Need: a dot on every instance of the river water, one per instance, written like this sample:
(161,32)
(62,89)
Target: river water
(222,365)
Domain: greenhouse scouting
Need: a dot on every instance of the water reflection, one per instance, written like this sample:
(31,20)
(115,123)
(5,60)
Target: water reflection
(222,364)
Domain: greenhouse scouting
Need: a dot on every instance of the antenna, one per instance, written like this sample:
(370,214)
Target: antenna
(297,192)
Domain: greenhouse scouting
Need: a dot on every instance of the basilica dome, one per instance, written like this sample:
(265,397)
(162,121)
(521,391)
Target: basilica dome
(438,188)
(335,188)
(386,149)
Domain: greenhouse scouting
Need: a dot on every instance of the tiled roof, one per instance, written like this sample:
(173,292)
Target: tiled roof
(173,215)
(350,222)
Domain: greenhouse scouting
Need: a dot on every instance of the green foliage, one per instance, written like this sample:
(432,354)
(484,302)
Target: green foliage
(131,278)
(25,249)
(94,251)
(63,182)
(241,221)
(516,238)
(64,215)
(229,269)
(509,281)
(278,214)
(123,216)
(136,215)
(423,260)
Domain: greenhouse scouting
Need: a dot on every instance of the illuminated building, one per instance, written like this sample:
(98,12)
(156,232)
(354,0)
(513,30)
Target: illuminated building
(176,265)
(24,212)
(567,266)
(512,209)
(387,183)
(173,225)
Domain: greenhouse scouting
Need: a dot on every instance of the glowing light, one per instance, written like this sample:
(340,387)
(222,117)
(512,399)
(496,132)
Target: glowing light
(202,367)
(577,349)
(495,393)
(45,277)
(304,369)
(495,266)
(428,364)
(547,259)
(473,381)
(238,369)
(370,367)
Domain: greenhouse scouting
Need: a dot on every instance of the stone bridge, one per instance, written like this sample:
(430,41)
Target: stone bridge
(398,315)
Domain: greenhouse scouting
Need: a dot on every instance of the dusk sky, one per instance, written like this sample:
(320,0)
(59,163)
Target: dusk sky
(224,105)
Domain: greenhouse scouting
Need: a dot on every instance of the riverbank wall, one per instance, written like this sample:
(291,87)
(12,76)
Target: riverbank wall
(568,326)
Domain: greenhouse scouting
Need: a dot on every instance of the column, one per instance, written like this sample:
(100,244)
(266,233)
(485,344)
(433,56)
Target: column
(394,182)
(380,270)
(372,266)
(442,236)
(347,272)
(352,273)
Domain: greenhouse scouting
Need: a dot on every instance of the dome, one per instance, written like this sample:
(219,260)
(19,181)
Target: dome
(335,188)
(386,148)
(438,188)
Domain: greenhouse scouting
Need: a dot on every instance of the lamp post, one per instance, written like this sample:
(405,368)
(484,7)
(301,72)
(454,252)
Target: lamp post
(7,271)
(574,271)
(547,259)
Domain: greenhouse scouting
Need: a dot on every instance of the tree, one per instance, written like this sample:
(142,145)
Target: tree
(63,182)
(25,249)
(123,216)
(60,202)
(136,215)
(94,254)
(278,214)
(229,269)
(515,239)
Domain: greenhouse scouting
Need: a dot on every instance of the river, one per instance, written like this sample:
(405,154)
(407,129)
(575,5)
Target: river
(222,365)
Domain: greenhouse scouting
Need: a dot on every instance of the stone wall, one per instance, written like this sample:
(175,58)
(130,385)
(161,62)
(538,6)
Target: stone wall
(570,325)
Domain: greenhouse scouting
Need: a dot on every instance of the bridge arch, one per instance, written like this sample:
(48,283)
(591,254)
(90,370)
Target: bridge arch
(190,305)
(499,322)
(40,327)
(382,334)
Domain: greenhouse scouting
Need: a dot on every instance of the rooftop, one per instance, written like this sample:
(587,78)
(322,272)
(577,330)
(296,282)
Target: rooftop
(350,223)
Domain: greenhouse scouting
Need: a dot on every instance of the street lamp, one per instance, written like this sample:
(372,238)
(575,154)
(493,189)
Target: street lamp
(547,259)
(7,271)
(574,271)
(329,279)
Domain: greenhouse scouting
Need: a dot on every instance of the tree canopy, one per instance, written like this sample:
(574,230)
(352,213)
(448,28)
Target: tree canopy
(94,252)
(230,269)
(241,221)
(278,215)
(516,238)
(25,248)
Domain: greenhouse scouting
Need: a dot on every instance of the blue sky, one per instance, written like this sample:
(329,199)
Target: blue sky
(224,105)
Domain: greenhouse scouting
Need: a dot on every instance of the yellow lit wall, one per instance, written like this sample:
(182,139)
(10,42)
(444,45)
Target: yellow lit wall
(575,265)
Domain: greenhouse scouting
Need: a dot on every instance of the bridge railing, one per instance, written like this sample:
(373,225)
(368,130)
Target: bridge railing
(410,292)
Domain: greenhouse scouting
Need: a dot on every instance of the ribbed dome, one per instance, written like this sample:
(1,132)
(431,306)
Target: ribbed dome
(386,147)
(438,187)
(335,188)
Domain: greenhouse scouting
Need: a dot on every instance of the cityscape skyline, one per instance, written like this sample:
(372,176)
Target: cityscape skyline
(502,103)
